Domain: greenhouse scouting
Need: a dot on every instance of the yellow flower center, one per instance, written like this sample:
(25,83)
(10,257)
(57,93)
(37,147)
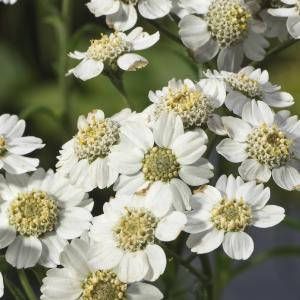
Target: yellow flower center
(245,85)
(33,213)
(160,164)
(2,145)
(135,229)
(269,146)
(228,21)
(95,140)
(108,48)
(231,215)
(190,104)
(103,285)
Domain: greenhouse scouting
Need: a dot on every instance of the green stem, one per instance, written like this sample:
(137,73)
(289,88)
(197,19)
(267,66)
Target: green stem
(276,50)
(26,285)
(207,269)
(184,263)
(15,291)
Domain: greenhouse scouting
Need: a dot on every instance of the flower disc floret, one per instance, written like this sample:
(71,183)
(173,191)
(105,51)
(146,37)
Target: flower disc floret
(135,230)
(247,86)
(191,105)
(95,140)
(108,48)
(103,285)
(33,213)
(228,21)
(2,146)
(160,164)
(269,146)
(231,215)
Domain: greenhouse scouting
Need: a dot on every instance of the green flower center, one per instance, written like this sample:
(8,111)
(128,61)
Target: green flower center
(103,285)
(33,213)
(269,146)
(228,21)
(95,140)
(231,215)
(135,229)
(160,164)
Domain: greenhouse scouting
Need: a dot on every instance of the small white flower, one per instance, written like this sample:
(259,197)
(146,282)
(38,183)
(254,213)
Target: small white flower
(193,102)
(289,9)
(1,286)
(79,279)
(122,15)
(39,213)
(113,51)
(13,146)
(267,144)
(85,158)
(126,234)
(228,27)
(221,215)
(165,155)
(248,84)
(9,1)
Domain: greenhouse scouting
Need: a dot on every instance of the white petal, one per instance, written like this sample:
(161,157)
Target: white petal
(128,185)
(170,227)
(268,216)
(293,26)
(238,245)
(24,252)
(154,9)
(250,169)
(103,7)
(7,232)
(215,124)
(157,261)
(232,150)
(287,177)
(143,291)
(132,62)
(181,195)
(145,41)
(230,59)
(198,221)
(236,128)
(16,164)
(2,285)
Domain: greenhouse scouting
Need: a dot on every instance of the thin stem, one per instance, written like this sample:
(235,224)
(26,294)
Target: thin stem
(184,263)
(15,291)
(26,285)
(207,269)
(276,50)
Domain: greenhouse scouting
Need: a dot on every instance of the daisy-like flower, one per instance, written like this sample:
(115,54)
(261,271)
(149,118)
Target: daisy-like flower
(289,9)
(248,84)
(85,158)
(113,51)
(122,15)
(39,213)
(79,279)
(266,143)
(221,215)
(165,155)
(126,235)
(227,27)
(193,102)
(13,146)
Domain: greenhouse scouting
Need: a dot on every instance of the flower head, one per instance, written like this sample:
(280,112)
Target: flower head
(221,214)
(248,84)
(39,213)
(13,146)
(85,158)
(165,155)
(227,27)
(113,51)
(267,144)
(126,234)
(122,15)
(79,279)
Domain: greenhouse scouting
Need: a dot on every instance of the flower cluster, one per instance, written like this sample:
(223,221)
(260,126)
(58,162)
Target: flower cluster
(155,161)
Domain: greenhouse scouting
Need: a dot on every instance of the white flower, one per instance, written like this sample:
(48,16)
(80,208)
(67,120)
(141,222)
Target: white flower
(121,14)
(266,143)
(248,84)
(165,155)
(39,213)
(227,27)
(221,215)
(291,10)
(1,286)
(9,1)
(126,234)
(85,158)
(13,146)
(113,51)
(79,279)
(193,102)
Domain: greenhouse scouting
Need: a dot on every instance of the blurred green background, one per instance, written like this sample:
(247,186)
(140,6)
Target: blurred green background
(30,61)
